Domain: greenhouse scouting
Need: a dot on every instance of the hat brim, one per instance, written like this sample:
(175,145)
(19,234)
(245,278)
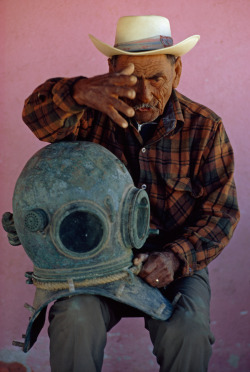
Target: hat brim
(177,50)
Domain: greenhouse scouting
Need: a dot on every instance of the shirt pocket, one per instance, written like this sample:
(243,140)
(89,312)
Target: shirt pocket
(184,185)
(180,198)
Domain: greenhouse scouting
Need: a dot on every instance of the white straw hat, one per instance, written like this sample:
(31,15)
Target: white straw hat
(144,35)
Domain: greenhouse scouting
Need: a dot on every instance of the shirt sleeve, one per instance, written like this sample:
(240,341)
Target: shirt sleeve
(216,215)
(50,111)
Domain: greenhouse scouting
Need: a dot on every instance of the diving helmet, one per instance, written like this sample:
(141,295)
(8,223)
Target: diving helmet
(78,216)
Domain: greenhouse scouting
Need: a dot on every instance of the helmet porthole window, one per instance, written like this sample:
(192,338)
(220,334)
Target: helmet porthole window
(81,231)
(142,215)
(135,218)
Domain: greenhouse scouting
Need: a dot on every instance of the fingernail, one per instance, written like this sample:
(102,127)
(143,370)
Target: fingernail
(133,79)
(131,94)
(130,112)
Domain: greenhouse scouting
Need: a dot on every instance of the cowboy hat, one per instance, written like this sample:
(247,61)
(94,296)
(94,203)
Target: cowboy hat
(144,35)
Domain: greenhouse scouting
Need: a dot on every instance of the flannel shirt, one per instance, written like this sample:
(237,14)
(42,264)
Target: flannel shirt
(186,167)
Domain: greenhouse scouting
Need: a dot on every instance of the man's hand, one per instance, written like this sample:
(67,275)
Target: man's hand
(103,93)
(158,268)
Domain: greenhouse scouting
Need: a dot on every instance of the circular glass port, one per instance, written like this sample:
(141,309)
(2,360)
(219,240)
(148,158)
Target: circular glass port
(135,218)
(142,217)
(81,231)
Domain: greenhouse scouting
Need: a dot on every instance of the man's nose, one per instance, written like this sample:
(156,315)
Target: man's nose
(143,90)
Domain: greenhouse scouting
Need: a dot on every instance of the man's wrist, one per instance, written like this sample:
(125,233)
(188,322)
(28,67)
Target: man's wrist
(174,259)
(77,91)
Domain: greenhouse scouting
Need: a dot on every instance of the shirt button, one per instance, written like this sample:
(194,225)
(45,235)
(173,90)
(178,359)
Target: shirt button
(143,149)
(143,186)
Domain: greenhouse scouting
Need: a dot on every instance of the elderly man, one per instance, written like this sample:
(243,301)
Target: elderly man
(175,149)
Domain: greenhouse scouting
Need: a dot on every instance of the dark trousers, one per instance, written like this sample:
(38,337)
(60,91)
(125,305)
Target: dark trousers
(79,324)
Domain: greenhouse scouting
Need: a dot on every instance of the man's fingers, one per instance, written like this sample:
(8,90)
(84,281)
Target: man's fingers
(120,91)
(158,270)
(121,80)
(159,279)
(118,105)
(140,258)
(125,75)
(148,268)
(128,70)
(116,117)
(103,93)
(121,106)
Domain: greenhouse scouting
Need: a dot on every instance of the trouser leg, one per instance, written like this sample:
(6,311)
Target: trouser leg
(183,343)
(78,328)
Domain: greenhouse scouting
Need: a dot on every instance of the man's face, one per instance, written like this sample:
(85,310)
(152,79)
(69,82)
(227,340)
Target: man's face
(156,77)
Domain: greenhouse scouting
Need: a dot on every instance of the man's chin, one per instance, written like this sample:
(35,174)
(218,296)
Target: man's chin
(145,116)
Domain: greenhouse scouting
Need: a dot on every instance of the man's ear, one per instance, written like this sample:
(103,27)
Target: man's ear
(177,69)
(111,67)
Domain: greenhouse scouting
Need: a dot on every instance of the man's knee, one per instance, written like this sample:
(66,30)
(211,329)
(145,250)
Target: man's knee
(187,324)
(76,309)
(74,341)
(192,327)
(183,327)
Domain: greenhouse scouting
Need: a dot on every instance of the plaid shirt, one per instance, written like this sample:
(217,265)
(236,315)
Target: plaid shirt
(186,167)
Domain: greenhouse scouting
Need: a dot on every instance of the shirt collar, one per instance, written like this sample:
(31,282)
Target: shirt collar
(170,121)
(172,117)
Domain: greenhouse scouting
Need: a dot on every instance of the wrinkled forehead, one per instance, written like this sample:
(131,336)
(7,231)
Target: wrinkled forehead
(144,65)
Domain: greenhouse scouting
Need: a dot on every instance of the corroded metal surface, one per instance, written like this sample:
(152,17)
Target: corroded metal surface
(73,203)
(78,215)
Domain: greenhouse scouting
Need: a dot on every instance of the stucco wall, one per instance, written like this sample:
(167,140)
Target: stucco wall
(42,39)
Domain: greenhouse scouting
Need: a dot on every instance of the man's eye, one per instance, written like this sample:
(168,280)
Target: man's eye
(156,78)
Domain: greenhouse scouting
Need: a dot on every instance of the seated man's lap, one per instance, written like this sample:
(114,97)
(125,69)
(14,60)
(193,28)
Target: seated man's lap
(193,293)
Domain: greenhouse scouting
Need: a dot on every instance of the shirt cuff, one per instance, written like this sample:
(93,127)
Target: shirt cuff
(62,95)
(184,250)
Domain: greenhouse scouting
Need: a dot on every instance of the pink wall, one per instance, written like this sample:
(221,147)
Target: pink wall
(42,39)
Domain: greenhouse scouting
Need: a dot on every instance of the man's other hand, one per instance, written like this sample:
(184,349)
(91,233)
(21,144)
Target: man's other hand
(158,268)
(103,93)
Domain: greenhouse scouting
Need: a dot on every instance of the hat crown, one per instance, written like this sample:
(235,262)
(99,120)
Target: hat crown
(131,28)
(144,35)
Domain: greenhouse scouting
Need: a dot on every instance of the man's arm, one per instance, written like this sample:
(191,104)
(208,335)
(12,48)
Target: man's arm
(212,222)
(102,94)
(51,112)
(54,110)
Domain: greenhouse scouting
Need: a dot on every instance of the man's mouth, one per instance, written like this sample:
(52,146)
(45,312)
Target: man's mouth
(143,107)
